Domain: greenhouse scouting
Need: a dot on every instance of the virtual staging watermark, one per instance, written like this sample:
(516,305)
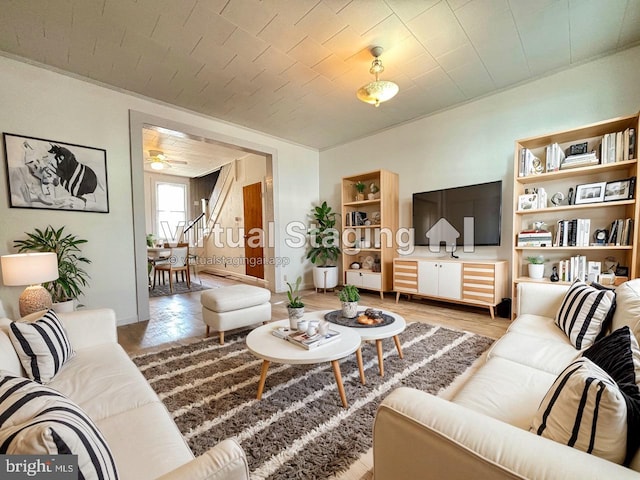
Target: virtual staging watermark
(297,235)
(236,261)
(40,467)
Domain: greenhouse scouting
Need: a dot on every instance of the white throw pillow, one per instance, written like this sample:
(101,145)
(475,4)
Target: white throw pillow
(42,346)
(583,313)
(628,307)
(37,420)
(585,409)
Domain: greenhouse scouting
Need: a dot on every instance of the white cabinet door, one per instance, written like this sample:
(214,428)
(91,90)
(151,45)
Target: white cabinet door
(365,280)
(450,280)
(354,278)
(428,278)
(372,281)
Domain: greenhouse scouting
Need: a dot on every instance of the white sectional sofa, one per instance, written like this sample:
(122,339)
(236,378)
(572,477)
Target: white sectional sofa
(102,380)
(483,432)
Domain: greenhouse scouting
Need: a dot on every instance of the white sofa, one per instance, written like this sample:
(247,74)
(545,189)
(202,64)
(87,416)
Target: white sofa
(483,432)
(104,382)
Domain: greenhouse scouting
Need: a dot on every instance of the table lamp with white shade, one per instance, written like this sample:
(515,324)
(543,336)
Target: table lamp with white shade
(30,269)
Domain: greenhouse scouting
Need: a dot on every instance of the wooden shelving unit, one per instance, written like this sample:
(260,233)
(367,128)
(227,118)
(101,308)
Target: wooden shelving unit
(600,214)
(376,239)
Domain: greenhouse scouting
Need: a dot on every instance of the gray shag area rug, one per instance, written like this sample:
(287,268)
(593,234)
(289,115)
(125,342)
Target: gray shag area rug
(299,429)
(179,287)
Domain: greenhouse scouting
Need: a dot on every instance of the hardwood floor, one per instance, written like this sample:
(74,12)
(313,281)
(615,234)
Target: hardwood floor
(177,319)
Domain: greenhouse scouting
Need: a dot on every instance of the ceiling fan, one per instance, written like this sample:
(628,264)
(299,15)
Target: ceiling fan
(158,160)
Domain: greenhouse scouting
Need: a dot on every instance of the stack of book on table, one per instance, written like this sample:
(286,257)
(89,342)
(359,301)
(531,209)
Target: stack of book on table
(303,339)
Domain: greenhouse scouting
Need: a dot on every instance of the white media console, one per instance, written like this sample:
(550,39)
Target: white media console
(477,282)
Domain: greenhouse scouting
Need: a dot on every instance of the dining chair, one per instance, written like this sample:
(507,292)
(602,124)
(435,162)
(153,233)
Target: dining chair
(178,262)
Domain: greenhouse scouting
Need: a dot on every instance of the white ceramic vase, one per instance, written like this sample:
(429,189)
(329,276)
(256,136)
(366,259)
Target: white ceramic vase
(294,315)
(325,277)
(63,307)
(536,270)
(349,309)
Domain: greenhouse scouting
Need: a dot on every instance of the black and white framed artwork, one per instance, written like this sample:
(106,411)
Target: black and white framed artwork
(49,174)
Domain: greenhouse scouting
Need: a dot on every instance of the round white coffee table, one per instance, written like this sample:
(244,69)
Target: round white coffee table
(377,334)
(263,344)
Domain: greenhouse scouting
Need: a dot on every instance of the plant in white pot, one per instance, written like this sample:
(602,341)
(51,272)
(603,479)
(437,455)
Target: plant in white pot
(324,239)
(349,297)
(536,266)
(295,307)
(72,278)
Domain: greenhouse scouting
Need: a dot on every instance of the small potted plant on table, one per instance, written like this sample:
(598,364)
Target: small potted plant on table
(295,307)
(349,297)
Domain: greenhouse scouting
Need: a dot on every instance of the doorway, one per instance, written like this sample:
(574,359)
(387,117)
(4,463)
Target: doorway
(138,121)
(253,232)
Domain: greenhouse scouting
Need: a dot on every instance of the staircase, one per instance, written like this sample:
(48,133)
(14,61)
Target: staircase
(198,230)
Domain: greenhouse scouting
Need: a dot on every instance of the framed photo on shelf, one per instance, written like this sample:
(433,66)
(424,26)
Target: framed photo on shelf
(590,193)
(619,190)
(528,201)
(52,175)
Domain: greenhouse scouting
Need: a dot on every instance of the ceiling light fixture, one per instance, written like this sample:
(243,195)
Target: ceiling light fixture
(157,159)
(377,91)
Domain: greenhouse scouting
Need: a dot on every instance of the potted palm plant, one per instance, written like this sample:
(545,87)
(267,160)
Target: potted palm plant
(360,186)
(349,297)
(72,278)
(324,251)
(295,307)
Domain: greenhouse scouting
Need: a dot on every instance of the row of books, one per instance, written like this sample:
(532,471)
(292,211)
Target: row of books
(618,146)
(573,233)
(355,219)
(614,147)
(529,164)
(620,232)
(578,268)
(303,339)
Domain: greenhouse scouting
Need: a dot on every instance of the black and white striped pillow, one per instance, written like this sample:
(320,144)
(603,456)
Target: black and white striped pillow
(585,409)
(42,346)
(583,313)
(37,420)
(618,354)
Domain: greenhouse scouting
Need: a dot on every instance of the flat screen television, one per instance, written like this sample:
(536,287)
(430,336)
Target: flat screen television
(481,202)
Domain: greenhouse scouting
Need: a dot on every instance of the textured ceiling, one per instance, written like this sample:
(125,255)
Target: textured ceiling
(290,68)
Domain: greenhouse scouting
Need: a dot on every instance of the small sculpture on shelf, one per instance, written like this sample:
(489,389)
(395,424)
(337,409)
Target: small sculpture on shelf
(373,191)
(554,274)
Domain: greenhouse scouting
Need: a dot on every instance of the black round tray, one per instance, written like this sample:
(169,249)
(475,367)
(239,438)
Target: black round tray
(337,318)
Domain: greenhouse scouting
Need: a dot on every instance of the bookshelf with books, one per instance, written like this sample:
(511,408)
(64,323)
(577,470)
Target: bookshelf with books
(369,226)
(575,202)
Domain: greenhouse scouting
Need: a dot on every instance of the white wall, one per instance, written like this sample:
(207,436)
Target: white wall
(41,103)
(474,143)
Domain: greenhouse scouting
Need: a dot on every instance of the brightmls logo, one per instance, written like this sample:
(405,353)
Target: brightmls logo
(23,467)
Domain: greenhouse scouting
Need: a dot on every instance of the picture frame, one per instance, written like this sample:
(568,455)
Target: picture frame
(619,190)
(590,193)
(528,201)
(53,175)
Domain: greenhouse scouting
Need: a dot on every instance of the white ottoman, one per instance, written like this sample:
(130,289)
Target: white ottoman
(236,306)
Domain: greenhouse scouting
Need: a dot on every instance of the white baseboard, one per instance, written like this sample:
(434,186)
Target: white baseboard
(236,276)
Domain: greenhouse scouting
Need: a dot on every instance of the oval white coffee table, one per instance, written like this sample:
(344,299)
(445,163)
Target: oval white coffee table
(377,334)
(263,344)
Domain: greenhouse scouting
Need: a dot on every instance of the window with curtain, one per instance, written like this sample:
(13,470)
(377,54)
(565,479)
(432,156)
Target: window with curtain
(171,210)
